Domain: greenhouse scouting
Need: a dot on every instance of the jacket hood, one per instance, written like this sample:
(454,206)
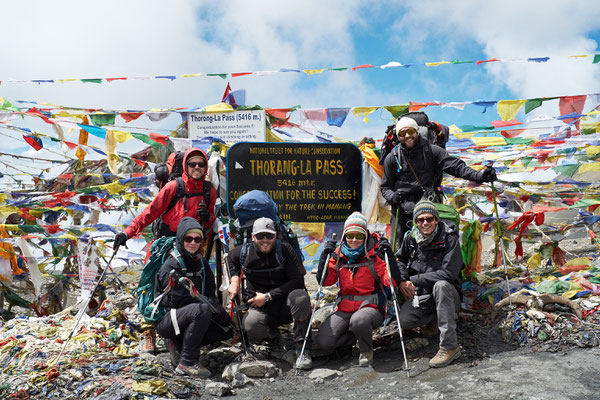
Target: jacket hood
(185,225)
(193,151)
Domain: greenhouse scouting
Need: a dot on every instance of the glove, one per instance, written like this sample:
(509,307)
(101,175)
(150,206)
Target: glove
(398,197)
(203,214)
(120,240)
(329,248)
(488,175)
(385,246)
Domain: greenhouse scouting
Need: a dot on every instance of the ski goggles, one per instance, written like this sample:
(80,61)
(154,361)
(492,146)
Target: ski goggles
(196,164)
(268,236)
(195,239)
(354,235)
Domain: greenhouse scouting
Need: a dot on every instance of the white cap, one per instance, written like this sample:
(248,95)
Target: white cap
(263,225)
(406,122)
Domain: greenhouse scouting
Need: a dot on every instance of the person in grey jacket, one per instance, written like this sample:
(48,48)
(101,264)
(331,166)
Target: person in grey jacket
(430,263)
(414,170)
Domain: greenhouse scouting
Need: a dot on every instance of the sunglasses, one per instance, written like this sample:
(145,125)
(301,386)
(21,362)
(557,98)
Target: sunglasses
(407,132)
(268,236)
(422,220)
(190,239)
(196,164)
(357,236)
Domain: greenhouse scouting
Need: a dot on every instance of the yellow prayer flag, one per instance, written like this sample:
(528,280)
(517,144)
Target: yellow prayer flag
(507,109)
(364,111)
(271,137)
(221,107)
(313,71)
(191,75)
(489,141)
(435,64)
(591,151)
(113,187)
(594,167)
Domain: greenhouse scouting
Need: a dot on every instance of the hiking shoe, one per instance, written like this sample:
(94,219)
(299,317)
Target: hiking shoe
(365,359)
(276,348)
(444,357)
(193,370)
(305,362)
(148,344)
(173,352)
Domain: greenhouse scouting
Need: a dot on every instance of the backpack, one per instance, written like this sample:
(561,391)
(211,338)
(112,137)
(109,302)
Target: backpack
(166,172)
(433,132)
(147,304)
(256,204)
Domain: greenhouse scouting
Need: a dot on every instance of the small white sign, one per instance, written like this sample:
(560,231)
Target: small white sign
(231,127)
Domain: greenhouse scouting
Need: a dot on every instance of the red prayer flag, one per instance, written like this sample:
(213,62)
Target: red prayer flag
(571,104)
(130,116)
(227,90)
(162,139)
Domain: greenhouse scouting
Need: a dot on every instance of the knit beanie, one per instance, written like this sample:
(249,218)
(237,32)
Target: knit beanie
(406,122)
(425,207)
(195,230)
(356,222)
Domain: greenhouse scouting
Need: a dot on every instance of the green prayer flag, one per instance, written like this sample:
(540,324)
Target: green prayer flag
(337,69)
(471,128)
(462,62)
(532,104)
(224,76)
(91,80)
(103,119)
(397,110)
(596,59)
(567,170)
(146,139)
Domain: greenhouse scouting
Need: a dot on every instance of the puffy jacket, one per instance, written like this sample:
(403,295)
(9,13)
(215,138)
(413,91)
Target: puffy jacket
(160,203)
(440,260)
(429,162)
(197,270)
(358,287)
(265,273)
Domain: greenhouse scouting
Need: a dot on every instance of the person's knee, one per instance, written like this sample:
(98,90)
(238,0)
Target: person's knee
(442,287)
(255,326)
(299,303)
(325,342)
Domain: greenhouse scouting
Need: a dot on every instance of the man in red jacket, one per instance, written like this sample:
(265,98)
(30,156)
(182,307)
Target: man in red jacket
(192,204)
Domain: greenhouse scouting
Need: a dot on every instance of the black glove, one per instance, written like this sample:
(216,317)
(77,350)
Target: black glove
(120,240)
(329,248)
(398,197)
(488,175)
(385,246)
(203,214)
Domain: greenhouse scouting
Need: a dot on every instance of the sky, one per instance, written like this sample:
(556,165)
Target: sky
(74,39)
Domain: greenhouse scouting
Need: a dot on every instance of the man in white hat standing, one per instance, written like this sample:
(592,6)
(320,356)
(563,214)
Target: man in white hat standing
(274,290)
(412,169)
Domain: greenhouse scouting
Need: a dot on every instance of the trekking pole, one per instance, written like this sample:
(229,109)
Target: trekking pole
(312,315)
(500,236)
(387,267)
(237,311)
(84,307)
(395,228)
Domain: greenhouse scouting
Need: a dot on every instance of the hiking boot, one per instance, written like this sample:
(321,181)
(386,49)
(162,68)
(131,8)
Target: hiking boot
(444,357)
(305,362)
(148,344)
(276,349)
(196,371)
(365,359)
(173,352)
(431,329)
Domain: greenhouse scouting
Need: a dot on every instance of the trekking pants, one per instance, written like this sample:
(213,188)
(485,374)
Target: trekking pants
(262,322)
(342,329)
(196,330)
(445,304)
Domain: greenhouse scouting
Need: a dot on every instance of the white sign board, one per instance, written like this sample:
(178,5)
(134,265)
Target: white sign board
(234,126)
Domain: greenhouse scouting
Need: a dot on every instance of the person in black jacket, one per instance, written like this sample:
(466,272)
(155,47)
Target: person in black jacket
(189,323)
(414,170)
(274,288)
(430,263)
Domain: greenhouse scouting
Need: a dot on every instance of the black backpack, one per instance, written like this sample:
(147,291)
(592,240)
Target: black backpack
(433,132)
(166,172)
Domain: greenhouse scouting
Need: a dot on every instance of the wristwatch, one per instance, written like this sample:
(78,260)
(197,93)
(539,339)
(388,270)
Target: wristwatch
(268,297)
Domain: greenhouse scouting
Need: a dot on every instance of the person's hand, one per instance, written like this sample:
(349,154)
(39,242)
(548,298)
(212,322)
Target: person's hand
(385,245)
(258,301)
(234,287)
(203,214)
(398,197)
(407,289)
(488,174)
(330,247)
(120,240)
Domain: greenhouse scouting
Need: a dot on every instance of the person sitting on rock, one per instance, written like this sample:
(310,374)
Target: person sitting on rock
(274,290)
(189,323)
(430,263)
(358,266)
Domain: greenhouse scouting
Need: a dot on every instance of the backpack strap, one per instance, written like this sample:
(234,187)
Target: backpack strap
(278,257)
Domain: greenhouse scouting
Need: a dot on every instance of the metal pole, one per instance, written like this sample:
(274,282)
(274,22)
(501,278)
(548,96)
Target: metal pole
(387,265)
(500,235)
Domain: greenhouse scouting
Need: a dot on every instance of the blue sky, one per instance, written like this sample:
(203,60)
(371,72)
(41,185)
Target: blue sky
(74,39)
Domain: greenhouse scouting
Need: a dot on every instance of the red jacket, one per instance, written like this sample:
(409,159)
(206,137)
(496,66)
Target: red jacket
(358,280)
(160,203)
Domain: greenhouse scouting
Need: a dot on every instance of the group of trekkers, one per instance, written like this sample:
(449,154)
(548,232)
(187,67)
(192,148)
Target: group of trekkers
(268,278)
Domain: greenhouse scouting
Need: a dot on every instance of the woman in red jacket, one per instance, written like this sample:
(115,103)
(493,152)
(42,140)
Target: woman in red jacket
(358,267)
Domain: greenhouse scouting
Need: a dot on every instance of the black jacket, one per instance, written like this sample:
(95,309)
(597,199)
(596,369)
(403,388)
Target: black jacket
(196,269)
(440,260)
(265,273)
(429,163)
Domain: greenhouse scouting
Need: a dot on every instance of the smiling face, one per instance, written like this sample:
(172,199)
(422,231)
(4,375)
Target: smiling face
(426,223)
(192,242)
(354,239)
(264,242)
(408,137)
(196,167)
